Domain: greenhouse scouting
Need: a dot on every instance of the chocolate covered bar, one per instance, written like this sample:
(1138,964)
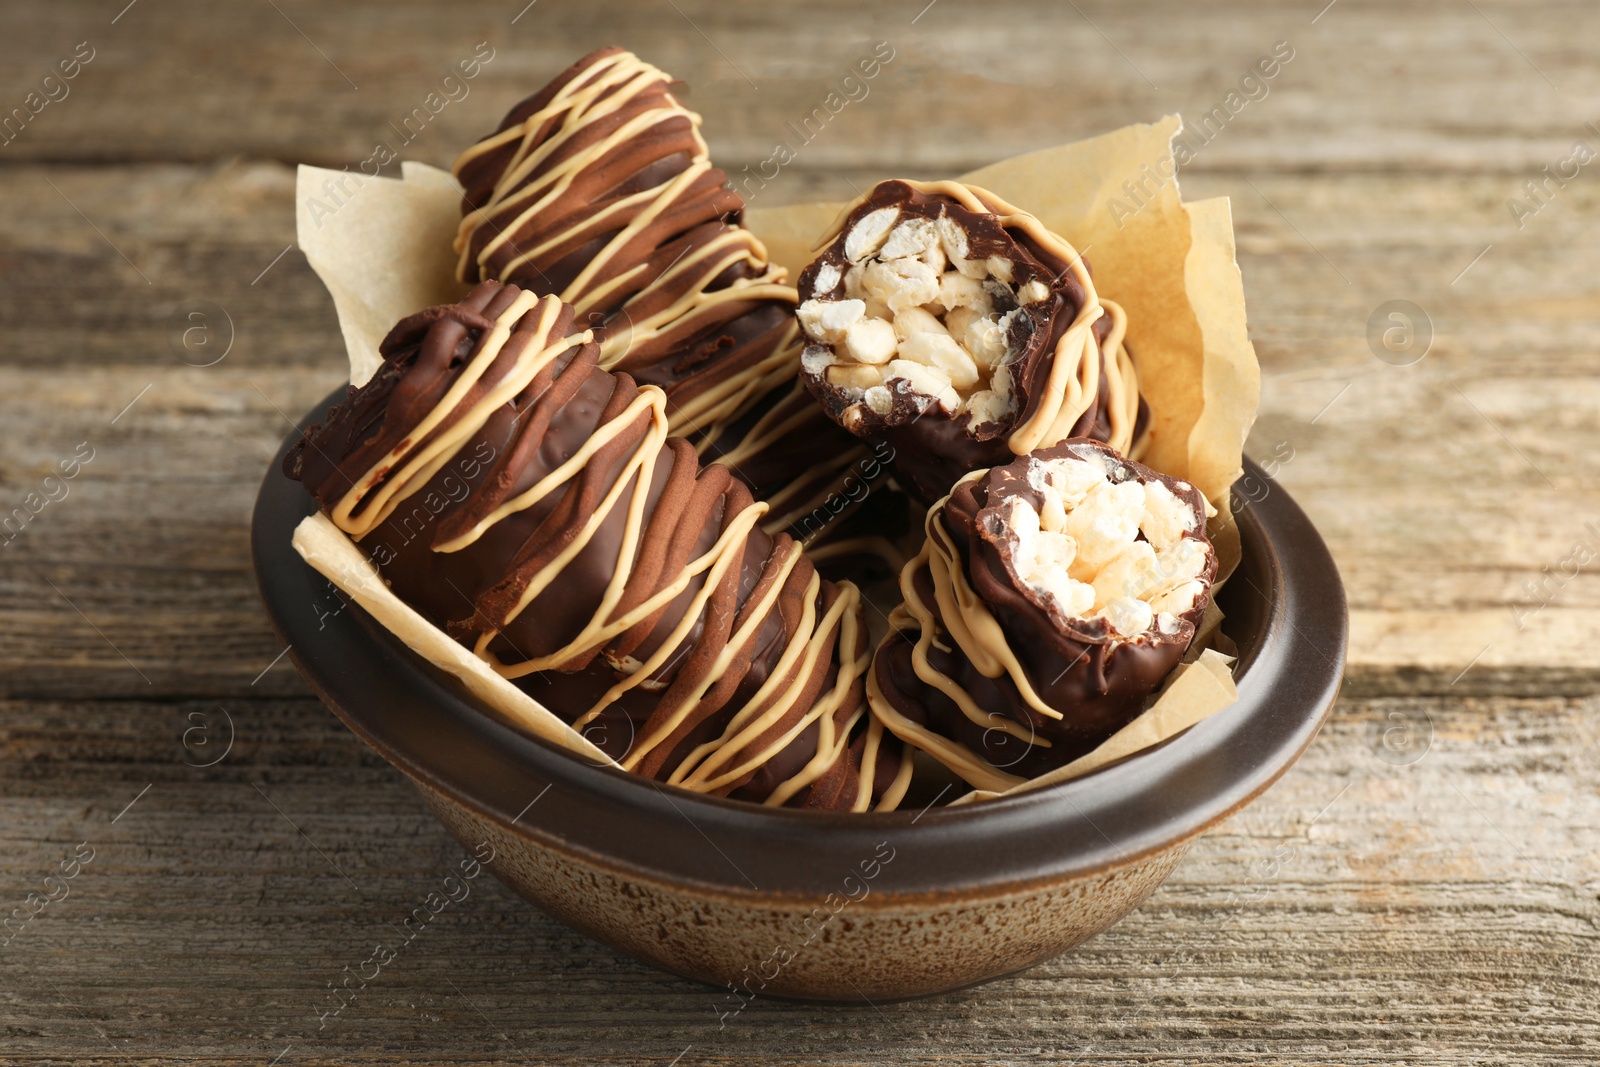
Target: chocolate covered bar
(534,505)
(599,189)
(957,329)
(1052,597)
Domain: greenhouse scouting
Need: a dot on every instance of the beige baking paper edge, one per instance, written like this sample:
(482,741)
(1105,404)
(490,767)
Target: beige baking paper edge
(382,246)
(1170,265)
(1195,691)
(328,549)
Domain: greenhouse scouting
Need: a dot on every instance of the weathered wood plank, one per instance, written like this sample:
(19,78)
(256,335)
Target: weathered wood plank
(1501,89)
(102,266)
(1383,904)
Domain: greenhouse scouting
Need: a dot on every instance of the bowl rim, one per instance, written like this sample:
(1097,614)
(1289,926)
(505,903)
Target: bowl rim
(438,734)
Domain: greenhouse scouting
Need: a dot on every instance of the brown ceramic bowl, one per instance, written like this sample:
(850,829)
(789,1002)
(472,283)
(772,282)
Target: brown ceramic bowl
(814,905)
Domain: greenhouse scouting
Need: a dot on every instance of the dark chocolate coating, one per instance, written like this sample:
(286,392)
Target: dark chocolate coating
(710,346)
(933,449)
(474,589)
(1079,667)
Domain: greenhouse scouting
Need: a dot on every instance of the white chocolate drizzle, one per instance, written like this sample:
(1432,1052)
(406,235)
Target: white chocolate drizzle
(717,764)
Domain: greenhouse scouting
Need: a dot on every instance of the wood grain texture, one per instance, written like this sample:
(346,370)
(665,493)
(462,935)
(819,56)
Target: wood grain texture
(1424,886)
(1386,903)
(998,81)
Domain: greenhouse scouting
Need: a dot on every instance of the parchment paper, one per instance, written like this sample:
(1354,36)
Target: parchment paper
(387,252)
(1195,691)
(328,549)
(383,248)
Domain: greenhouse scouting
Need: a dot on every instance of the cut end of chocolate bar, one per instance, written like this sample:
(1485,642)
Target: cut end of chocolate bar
(956,328)
(915,316)
(923,307)
(1098,548)
(1052,598)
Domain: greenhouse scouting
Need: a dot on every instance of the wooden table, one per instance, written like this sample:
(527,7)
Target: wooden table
(1424,887)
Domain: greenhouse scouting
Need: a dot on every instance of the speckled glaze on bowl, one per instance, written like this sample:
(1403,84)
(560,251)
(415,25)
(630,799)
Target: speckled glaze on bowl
(814,905)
